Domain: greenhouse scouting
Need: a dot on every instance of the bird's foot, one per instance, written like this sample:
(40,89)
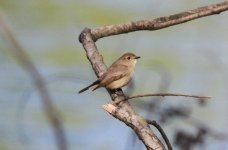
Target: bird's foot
(117,91)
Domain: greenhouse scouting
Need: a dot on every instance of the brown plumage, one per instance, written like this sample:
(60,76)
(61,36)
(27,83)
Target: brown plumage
(117,75)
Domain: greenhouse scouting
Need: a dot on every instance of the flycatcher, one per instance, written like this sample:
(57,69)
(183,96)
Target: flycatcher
(117,75)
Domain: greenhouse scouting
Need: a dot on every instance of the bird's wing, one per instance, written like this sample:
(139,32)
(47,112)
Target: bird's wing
(117,73)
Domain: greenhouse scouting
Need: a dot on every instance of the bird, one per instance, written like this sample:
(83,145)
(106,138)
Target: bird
(117,75)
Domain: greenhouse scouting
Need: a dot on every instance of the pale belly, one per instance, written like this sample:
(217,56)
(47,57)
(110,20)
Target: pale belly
(119,83)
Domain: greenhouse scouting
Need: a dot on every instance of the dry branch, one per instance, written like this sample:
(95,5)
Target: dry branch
(124,111)
(137,123)
(159,23)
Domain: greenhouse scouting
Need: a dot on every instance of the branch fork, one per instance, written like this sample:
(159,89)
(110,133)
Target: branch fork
(123,111)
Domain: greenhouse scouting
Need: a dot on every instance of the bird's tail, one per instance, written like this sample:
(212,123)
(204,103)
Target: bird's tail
(86,88)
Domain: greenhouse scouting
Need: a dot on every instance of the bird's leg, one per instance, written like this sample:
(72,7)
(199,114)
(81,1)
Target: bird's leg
(118,93)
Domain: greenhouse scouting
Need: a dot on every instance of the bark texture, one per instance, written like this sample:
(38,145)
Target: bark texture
(123,111)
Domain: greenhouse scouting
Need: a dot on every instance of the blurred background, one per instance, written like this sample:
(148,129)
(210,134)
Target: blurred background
(189,58)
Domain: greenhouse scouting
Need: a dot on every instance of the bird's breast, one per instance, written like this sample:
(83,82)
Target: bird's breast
(119,83)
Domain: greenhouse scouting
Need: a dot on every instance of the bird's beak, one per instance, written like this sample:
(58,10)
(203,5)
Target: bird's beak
(137,57)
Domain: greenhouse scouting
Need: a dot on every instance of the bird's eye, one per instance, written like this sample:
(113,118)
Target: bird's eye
(128,58)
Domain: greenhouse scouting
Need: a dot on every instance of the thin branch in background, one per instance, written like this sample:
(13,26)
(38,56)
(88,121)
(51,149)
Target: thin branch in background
(155,124)
(168,94)
(38,81)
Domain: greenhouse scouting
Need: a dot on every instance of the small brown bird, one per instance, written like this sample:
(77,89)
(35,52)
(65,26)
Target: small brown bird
(117,75)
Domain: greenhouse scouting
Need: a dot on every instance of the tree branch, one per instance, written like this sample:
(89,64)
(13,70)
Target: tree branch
(137,123)
(123,111)
(159,23)
(168,94)
(155,124)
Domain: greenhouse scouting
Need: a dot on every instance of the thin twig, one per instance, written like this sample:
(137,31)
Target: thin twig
(38,81)
(155,124)
(168,94)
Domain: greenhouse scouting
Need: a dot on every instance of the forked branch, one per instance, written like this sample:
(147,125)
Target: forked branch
(124,111)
